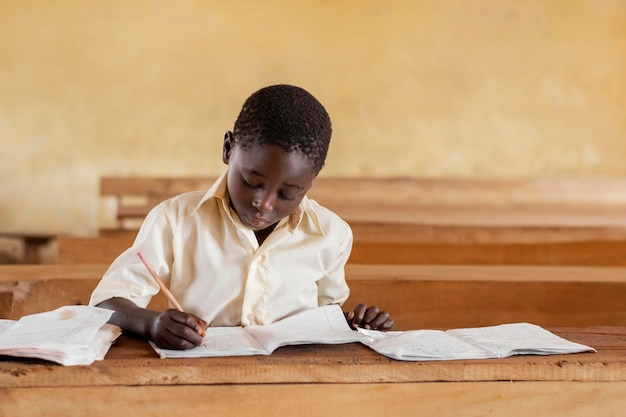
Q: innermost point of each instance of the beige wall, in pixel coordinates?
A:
(415, 88)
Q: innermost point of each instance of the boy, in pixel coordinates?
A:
(252, 249)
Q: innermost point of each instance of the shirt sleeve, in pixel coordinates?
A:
(128, 277)
(333, 289)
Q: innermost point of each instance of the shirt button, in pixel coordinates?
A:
(251, 318)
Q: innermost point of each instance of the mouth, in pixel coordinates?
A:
(257, 222)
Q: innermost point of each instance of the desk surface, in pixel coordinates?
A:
(310, 380)
(133, 362)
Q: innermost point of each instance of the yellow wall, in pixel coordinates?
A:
(414, 88)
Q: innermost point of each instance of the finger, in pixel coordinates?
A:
(202, 325)
(370, 316)
(359, 314)
(189, 320)
(387, 325)
(184, 327)
(171, 340)
(379, 320)
(187, 335)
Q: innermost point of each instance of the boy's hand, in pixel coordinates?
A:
(368, 318)
(175, 329)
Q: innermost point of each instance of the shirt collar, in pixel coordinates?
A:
(303, 215)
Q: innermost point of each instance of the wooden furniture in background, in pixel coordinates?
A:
(543, 203)
(421, 221)
(32, 242)
(417, 296)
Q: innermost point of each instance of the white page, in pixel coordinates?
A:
(517, 339)
(96, 350)
(325, 324)
(320, 325)
(69, 335)
(422, 345)
(5, 325)
(219, 341)
(63, 327)
(471, 343)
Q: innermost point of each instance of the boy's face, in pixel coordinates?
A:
(265, 183)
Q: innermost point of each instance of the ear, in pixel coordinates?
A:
(227, 147)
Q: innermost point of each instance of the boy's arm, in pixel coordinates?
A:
(171, 329)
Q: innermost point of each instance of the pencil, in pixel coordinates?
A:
(165, 290)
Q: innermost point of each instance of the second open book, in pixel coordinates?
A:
(327, 325)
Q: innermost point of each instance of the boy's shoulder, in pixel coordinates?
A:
(328, 219)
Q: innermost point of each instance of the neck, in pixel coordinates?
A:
(261, 235)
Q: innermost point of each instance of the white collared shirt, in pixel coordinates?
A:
(216, 269)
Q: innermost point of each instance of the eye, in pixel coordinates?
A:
(248, 183)
(286, 196)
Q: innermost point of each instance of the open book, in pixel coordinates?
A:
(69, 335)
(472, 343)
(325, 324)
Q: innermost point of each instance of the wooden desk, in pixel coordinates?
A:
(390, 243)
(551, 221)
(427, 201)
(318, 380)
(418, 296)
(33, 243)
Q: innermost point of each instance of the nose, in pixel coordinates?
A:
(263, 202)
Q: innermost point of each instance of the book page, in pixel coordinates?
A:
(219, 341)
(518, 339)
(422, 345)
(60, 328)
(69, 335)
(5, 325)
(325, 324)
(320, 325)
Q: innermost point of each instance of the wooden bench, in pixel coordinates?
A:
(420, 221)
(32, 242)
(407, 248)
(568, 203)
(418, 296)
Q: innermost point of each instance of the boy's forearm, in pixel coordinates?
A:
(130, 317)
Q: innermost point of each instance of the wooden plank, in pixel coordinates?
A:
(418, 296)
(31, 297)
(451, 304)
(33, 243)
(436, 296)
(584, 253)
(413, 303)
(32, 272)
(133, 362)
(132, 379)
(393, 244)
(161, 186)
(566, 202)
(35, 296)
(101, 250)
(386, 231)
(37, 288)
(6, 300)
(569, 399)
(557, 221)
(425, 191)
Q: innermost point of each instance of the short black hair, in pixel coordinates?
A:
(285, 116)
